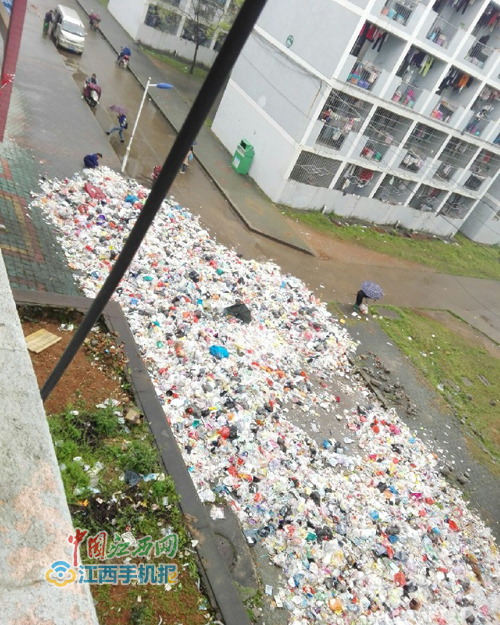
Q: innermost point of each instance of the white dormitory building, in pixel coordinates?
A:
(167, 25)
(383, 110)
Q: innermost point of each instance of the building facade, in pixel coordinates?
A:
(171, 25)
(384, 110)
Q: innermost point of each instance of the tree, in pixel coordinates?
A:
(207, 19)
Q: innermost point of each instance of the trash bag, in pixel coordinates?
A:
(240, 311)
(219, 352)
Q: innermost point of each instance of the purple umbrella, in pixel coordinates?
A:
(372, 290)
(118, 108)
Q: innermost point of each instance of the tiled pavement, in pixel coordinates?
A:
(49, 131)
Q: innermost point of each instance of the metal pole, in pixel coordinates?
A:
(127, 152)
(214, 82)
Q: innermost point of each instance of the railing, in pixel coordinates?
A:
(455, 210)
(364, 75)
(445, 172)
(407, 94)
(474, 182)
(412, 162)
(478, 54)
(336, 129)
(443, 110)
(399, 10)
(441, 33)
(374, 150)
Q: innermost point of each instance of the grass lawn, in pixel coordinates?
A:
(443, 356)
(460, 257)
(177, 64)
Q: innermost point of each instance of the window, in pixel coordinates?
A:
(314, 170)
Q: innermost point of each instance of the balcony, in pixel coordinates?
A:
(478, 54)
(399, 10)
(427, 199)
(443, 110)
(364, 75)
(357, 180)
(341, 115)
(407, 95)
(394, 190)
(474, 182)
(445, 172)
(384, 130)
(442, 33)
(457, 206)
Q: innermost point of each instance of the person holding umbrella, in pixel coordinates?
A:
(121, 112)
(369, 290)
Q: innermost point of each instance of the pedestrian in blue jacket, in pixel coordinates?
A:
(122, 125)
(91, 161)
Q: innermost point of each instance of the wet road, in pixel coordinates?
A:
(153, 139)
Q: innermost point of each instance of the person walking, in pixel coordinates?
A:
(189, 157)
(47, 21)
(91, 161)
(122, 125)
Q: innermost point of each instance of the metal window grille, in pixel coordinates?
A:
(441, 32)
(393, 189)
(445, 172)
(314, 170)
(457, 152)
(424, 140)
(455, 207)
(399, 10)
(478, 54)
(406, 94)
(486, 163)
(354, 178)
(341, 115)
(162, 19)
(474, 182)
(364, 75)
(426, 199)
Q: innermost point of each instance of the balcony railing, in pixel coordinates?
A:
(407, 94)
(478, 54)
(445, 172)
(454, 209)
(399, 10)
(474, 182)
(364, 75)
(412, 161)
(441, 32)
(443, 111)
(374, 150)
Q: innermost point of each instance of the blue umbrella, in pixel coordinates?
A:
(372, 290)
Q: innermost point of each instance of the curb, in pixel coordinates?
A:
(217, 581)
(232, 205)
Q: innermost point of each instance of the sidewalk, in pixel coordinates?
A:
(47, 120)
(246, 199)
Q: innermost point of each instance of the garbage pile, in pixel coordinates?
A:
(375, 535)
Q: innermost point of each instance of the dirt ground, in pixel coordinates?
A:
(86, 379)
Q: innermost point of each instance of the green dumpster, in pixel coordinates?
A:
(243, 157)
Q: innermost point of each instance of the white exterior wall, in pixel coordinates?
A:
(239, 118)
(306, 197)
(483, 225)
(155, 38)
(130, 14)
(277, 93)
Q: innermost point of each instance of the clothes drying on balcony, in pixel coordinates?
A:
(416, 59)
(363, 75)
(458, 5)
(372, 33)
(412, 161)
(489, 19)
(455, 79)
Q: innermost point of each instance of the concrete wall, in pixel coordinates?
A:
(481, 225)
(321, 29)
(280, 88)
(240, 118)
(34, 517)
(129, 14)
(170, 43)
(308, 197)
